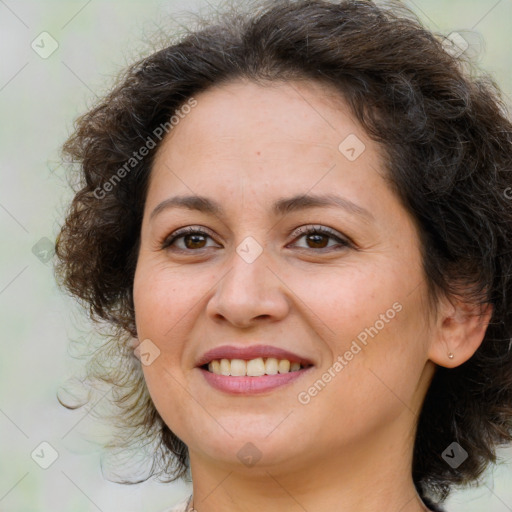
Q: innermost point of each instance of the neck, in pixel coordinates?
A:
(357, 479)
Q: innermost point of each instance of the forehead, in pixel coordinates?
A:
(289, 126)
(295, 107)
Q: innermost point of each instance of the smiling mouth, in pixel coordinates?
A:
(253, 367)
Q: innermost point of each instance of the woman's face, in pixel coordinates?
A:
(247, 281)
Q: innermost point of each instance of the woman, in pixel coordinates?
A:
(297, 222)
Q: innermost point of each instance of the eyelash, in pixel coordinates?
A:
(298, 233)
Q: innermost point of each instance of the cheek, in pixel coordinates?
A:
(372, 379)
(161, 306)
(375, 320)
(347, 302)
(161, 298)
(388, 370)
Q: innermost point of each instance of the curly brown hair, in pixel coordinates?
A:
(448, 142)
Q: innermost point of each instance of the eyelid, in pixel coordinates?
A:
(168, 239)
(311, 228)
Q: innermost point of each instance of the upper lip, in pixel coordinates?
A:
(252, 352)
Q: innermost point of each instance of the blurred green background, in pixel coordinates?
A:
(56, 56)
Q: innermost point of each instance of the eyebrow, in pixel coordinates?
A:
(280, 208)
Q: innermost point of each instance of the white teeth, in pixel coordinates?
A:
(271, 366)
(238, 367)
(214, 366)
(284, 366)
(256, 367)
(225, 367)
(253, 368)
(294, 367)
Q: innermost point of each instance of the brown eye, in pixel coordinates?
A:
(318, 240)
(194, 241)
(317, 237)
(188, 239)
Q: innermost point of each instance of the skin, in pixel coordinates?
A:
(245, 146)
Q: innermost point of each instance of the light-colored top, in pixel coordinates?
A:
(182, 506)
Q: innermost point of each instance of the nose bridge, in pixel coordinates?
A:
(247, 280)
(249, 290)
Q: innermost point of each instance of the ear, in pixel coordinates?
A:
(459, 330)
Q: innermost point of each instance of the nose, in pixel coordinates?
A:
(249, 292)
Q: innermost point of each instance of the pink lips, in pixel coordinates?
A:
(250, 385)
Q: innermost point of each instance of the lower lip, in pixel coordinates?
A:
(251, 385)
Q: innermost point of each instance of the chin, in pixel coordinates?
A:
(245, 443)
